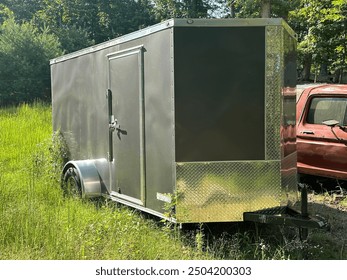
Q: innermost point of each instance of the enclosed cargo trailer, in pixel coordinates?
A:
(196, 114)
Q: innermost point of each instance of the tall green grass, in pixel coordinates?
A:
(38, 222)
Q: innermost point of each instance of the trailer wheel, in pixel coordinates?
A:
(71, 182)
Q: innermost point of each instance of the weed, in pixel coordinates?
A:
(199, 239)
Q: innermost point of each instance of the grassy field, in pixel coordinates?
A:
(38, 222)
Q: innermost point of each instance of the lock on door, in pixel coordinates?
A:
(114, 125)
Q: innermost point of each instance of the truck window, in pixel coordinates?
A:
(327, 108)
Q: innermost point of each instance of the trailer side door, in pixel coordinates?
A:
(125, 82)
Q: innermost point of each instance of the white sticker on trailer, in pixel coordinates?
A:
(164, 197)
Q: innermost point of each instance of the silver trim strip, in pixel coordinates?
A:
(141, 208)
(123, 197)
(126, 52)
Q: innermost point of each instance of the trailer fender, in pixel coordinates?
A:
(86, 177)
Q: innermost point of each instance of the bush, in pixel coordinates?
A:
(24, 62)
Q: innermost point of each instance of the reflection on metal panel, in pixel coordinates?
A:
(159, 117)
(273, 82)
(288, 179)
(223, 191)
(78, 108)
(288, 126)
(280, 112)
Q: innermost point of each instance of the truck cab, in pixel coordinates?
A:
(322, 131)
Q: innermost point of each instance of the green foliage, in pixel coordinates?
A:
(322, 27)
(100, 20)
(73, 38)
(166, 9)
(5, 13)
(23, 9)
(251, 8)
(196, 8)
(117, 18)
(247, 8)
(24, 62)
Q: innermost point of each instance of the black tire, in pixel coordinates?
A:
(71, 183)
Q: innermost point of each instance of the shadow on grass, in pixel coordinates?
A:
(248, 240)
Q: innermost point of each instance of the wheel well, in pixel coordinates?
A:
(71, 181)
(89, 177)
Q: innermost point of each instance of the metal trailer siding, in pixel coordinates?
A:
(158, 116)
(74, 112)
(210, 185)
(79, 86)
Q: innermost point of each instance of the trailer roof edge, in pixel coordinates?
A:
(176, 23)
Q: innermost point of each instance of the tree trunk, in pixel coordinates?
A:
(194, 11)
(306, 72)
(337, 75)
(266, 8)
(323, 73)
(232, 9)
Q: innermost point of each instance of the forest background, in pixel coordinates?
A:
(34, 31)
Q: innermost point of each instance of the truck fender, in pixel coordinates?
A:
(89, 179)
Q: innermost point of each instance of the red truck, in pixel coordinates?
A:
(321, 117)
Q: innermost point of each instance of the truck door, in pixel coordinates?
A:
(322, 149)
(126, 121)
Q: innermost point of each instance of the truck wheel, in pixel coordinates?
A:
(71, 183)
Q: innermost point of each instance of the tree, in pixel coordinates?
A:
(321, 26)
(70, 21)
(166, 9)
(264, 8)
(23, 9)
(24, 62)
(196, 8)
(116, 18)
(100, 20)
(73, 38)
(338, 15)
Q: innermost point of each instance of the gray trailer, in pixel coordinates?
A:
(195, 114)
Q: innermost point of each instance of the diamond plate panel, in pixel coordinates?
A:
(289, 179)
(273, 90)
(289, 155)
(223, 191)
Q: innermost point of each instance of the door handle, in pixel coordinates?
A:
(310, 132)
